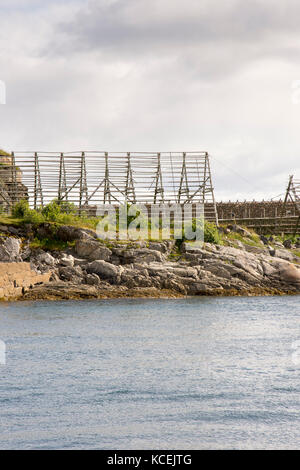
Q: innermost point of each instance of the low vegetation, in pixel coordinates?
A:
(50, 244)
(252, 240)
(59, 212)
(66, 213)
(212, 234)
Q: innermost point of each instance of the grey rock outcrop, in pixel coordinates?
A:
(92, 280)
(65, 233)
(244, 268)
(290, 274)
(10, 250)
(105, 270)
(68, 273)
(92, 250)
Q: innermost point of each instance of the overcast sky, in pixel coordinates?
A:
(159, 75)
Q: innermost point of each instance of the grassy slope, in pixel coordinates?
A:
(90, 223)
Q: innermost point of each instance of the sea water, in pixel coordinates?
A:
(196, 373)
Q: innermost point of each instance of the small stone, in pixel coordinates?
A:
(67, 260)
(46, 258)
(92, 279)
(271, 250)
(288, 244)
(264, 240)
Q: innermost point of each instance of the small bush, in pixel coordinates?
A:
(52, 211)
(67, 207)
(50, 244)
(33, 217)
(20, 209)
(60, 211)
(211, 233)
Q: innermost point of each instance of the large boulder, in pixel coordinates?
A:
(92, 250)
(42, 261)
(183, 271)
(174, 284)
(164, 246)
(45, 258)
(105, 270)
(72, 274)
(45, 230)
(268, 269)
(92, 280)
(241, 230)
(136, 278)
(290, 274)
(137, 255)
(65, 233)
(145, 255)
(10, 250)
(284, 254)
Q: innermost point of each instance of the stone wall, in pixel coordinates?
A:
(17, 278)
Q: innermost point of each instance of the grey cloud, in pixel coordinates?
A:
(212, 39)
(139, 23)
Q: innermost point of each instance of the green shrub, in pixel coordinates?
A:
(50, 244)
(211, 233)
(60, 211)
(20, 209)
(52, 211)
(33, 217)
(67, 207)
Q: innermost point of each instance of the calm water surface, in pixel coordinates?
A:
(203, 373)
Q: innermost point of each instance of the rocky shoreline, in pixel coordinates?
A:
(93, 268)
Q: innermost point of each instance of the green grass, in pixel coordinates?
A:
(82, 222)
(50, 244)
(237, 236)
(10, 220)
(65, 213)
(252, 240)
(62, 214)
